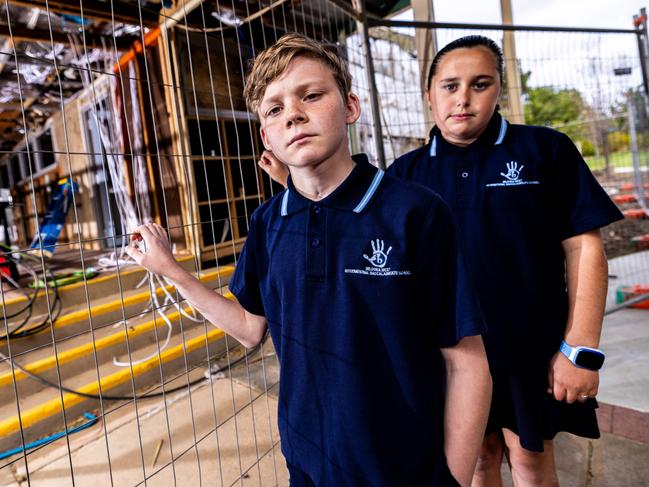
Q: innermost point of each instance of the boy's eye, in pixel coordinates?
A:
(312, 96)
(273, 111)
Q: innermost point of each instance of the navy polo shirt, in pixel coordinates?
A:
(360, 291)
(517, 192)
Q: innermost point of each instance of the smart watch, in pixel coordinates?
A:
(583, 357)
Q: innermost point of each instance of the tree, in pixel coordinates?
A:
(551, 107)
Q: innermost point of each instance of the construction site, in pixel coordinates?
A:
(117, 113)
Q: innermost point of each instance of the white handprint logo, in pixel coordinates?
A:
(513, 171)
(379, 257)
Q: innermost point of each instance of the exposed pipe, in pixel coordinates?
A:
(152, 36)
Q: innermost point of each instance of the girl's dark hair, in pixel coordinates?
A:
(467, 42)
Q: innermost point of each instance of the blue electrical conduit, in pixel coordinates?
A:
(92, 419)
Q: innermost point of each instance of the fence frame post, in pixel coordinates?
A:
(363, 30)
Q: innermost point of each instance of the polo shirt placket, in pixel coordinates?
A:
(316, 248)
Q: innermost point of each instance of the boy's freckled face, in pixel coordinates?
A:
(464, 93)
(303, 115)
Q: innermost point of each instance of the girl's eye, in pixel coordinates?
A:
(480, 86)
(450, 87)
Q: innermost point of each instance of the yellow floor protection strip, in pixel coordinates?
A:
(55, 406)
(94, 280)
(39, 366)
(81, 315)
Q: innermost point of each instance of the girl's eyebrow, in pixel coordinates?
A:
(457, 78)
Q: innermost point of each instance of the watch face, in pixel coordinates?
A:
(589, 359)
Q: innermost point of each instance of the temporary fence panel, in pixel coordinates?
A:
(126, 113)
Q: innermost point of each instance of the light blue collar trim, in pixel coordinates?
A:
(499, 140)
(284, 210)
(433, 147)
(370, 191)
(503, 131)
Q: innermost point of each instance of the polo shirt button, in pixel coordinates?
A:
(465, 175)
(317, 209)
(315, 242)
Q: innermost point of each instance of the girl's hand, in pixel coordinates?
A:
(275, 168)
(569, 383)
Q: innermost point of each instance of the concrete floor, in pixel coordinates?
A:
(625, 339)
(610, 461)
(243, 450)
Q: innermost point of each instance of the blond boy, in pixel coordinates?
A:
(358, 276)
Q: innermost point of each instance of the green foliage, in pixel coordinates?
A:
(618, 141)
(616, 159)
(586, 147)
(548, 106)
(643, 140)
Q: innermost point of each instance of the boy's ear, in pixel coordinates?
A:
(264, 139)
(353, 108)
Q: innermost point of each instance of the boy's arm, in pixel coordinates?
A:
(275, 168)
(587, 279)
(468, 396)
(231, 317)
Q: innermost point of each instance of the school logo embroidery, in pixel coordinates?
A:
(378, 262)
(379, 258)
(513, 171)
(512, 176)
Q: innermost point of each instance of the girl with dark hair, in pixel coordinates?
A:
(530, 212)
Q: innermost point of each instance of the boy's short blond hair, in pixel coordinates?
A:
(273, 61)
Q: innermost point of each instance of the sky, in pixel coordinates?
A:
(570, 13)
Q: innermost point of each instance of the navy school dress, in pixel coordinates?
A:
(360, 290)
(517, 192)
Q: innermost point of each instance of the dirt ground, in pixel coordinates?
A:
(617, 236)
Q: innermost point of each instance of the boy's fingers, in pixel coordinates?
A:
(164, 235)
(145, 232)
(149, 232)
(138, 229)
(158, 230)
(134, 253)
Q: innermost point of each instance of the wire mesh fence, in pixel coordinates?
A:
(116, 114)
(127, 114)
